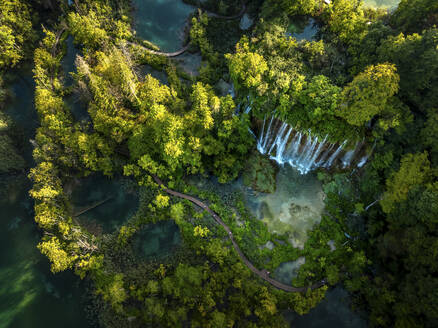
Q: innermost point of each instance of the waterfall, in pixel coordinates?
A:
(362, 161)
(303, 151)
(349, 155)
(334, 155)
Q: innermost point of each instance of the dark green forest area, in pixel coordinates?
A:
(368, 77)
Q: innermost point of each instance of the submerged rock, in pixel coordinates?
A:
(245, 22)
(260, 174)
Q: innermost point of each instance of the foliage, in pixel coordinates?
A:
(414, 170)
(415, 15)
(369, 95)
(16, 32)
(58, 257)
(418, 78)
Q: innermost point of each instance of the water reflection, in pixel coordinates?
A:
(30, 295)
(333, 312)
(120, 202)
(162, 22)
(157, 240)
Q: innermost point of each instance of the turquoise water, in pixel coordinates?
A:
(30, 295)
(383, 4)
(105, 218)
(162, 22)
(305, 32)
(294, 208)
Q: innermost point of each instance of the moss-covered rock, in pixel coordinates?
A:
(260, 173)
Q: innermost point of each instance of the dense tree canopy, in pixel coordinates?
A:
(16, 32)
(367, 76)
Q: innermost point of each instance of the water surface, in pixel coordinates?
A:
(333, 312)
(162, 22)
(295, 206)
(121, 204)
(30, 295)
(293, 209)
(157, 240)
(382, 4)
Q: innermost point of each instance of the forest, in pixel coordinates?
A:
(355, 106)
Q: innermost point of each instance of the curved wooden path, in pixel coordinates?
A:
(160, 53)
(184, 49)
(261, 273)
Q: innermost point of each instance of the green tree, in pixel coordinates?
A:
(246, 67)
(58, 257)
(369, 94)
(415, 15)
(414, 170)
(16, 32)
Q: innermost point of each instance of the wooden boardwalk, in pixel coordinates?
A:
(184, 49)
(261, 273)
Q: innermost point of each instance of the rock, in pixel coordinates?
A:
(245, 22)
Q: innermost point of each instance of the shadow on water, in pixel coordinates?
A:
(30, 295)
(333, 312)
(157, 240)
(106, 218)
(76, 106)
(162, 22)
(159, 75)
(20, 107)
(68, 62)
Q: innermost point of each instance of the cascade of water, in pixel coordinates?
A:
(362, 161)
(349, 155)
(305, 152)
(325, 155)
(247, 109)
(280, 144)
(260, 140)
(310, 150)
(316, 154)
(264, 142)
(293, 148)
(335, 155)
(278, 137)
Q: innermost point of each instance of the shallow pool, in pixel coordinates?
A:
(162, 22)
